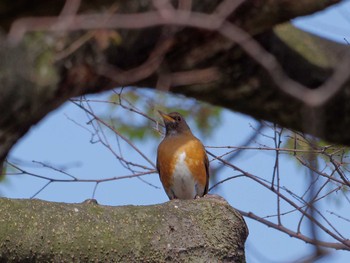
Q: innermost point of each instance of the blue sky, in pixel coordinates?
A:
(61, 142)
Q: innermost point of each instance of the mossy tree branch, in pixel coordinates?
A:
(203, 230)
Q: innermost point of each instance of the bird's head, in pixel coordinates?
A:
(174, 123)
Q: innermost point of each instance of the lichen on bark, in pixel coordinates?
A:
(204, 230)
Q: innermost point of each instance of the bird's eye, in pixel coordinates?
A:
(178, 118)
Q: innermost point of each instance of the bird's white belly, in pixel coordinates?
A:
(184, 186)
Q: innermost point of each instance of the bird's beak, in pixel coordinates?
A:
(166, 117)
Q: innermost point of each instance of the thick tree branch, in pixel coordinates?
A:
(204, 230)
(165, 57)
(256, 16)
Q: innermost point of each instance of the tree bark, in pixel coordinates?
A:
(202, 230)
(36, 78)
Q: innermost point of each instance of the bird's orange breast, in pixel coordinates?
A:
(169, 152)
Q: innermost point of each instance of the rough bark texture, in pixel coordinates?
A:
(203, 230)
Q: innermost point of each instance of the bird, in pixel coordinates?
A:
(182, 162)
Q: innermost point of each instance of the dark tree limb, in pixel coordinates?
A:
(195, 62)
(203, 230)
